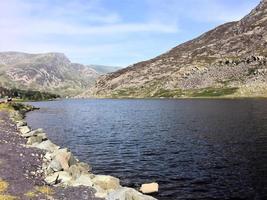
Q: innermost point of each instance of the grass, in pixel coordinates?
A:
(169, 93)
(45, 190)
(3, 188)
(175, 93)
(6, 107)
(7, 197)
(213, 92)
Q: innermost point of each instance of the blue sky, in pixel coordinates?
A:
(110, 32)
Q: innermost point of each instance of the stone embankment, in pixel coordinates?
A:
(61, 169)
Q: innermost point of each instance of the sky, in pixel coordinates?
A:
(111, 32)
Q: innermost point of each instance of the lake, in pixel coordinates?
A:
(194, 149)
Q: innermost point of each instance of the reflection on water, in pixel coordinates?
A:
(195, 149)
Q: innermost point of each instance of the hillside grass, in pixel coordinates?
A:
(176, 93)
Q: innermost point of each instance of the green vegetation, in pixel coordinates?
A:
(6, 106)
(176, 93)
(27, 95)
(13, 106)
(213, 92)
(169, 93)
(3, 188)
(45, 190)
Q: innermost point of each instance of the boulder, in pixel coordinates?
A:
(82, 180)
(106, 182)
(21, 123)
(149, 188)
(43, 135)
(72, 160)
(100, 193)
(78, 169)
(64, 158)
(48, 156)
(125, 193)
(34, 140)
(47, 145)
(58, 177)
(24, 129)
(55, 165)
(32, 133)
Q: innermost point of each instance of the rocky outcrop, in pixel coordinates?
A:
(61, 168)
(229, 60)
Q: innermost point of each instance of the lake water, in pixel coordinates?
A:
(195, 149)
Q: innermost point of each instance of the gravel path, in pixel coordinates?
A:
(20, 170)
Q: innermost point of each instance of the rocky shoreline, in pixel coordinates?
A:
(58, 167)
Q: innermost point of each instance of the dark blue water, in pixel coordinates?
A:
(195, 149)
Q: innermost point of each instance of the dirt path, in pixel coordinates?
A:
(20, 170)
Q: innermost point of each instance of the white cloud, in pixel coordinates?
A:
(199, 10)
(61, 25)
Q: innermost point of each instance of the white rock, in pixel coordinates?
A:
(48, 146)
(125, 193)
(55, 165)
(62, 177)
(100, 193)
(83, 180)
(34, 140)
(21, 123)
(33, 133)
(149, 188)
(106, 182)
(48, 156)
(24, 129)
(78, 169)
(62, 158)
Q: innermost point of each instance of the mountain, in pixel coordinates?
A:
(230, 60)
(101, 69)
(49, 72)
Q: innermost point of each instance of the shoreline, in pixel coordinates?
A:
(61, 168)
(168, 98)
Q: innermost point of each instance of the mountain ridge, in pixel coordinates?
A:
(231, 57)
(50, 72)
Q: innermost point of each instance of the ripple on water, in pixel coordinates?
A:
(195, 149)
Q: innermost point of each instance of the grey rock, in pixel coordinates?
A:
(34, 140)
(47, 145)
(24, 129)
(61, 177)
(32, 133)
(82, 180)
(78, 169)
(106, 182)
(55, 165)
(125, 193)
(21, 123)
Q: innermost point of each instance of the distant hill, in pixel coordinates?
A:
(101, 69)
(49, 72)
(230, 60)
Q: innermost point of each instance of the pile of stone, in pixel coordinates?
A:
(61, 168)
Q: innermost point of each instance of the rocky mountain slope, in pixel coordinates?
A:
(230, 60)
(50, 72)
(102, 69)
